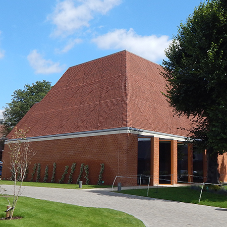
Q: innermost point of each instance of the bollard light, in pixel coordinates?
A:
(119, 187)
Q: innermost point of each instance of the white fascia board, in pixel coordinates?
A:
(128, 130)
(163, 135)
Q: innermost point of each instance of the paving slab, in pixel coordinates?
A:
(153, 212)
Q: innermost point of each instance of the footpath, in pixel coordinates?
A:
(153, 212)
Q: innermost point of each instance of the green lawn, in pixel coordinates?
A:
(46, 213)
(53, 185)
(182, 194)
(36, 212)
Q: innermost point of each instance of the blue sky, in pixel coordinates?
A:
(40, 39)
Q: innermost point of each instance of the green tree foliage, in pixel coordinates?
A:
(196, 72)
(23, 100)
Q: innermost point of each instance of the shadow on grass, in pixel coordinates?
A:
(221, 209)
(176, 194)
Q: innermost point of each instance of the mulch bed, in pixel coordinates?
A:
(13, 218)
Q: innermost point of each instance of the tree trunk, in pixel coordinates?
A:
(8, 212)
(212, 170)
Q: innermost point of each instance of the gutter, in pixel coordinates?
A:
(128, 130)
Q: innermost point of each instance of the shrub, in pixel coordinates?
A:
(73, 167)
(26, 173)
(53, 173)
(45, 174)
(213, 187)
(63, 175)
(86, 169)
(33, 171)
(101, 174)
(80, 174)
(38, 172)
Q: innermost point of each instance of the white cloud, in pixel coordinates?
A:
(69, 17)
(149, 47)
(41, 65)
(1, 114)
(70, 45)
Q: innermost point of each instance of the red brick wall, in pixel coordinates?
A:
(118, 152)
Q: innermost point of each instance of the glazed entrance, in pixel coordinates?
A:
(171, 164)
(164, 162)
(144, 160)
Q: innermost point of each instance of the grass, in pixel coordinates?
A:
(182, 194)
(53, 185)
(36, 212)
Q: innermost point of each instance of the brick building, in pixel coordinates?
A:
(110, 110)
(2, 138)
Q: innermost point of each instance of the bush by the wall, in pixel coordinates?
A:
(73, 167)
(86, 169)
(80, 174)
(101, 174)
(38, 172)
(53, 173)
(26, 173)
(33, 171)
(45, 175)
(63, 175)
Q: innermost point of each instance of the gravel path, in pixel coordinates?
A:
(153, 212)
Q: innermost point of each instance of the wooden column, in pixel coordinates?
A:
(173, 161)
(155, 160)
(190, 163)
(205, 166)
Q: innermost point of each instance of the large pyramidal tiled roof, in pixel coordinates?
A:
(119, 90)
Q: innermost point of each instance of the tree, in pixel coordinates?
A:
(22, 101)
(20, 155)
(196, 74)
